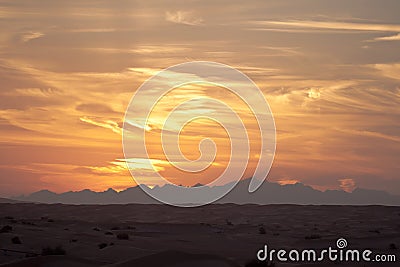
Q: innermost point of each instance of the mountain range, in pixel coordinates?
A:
(268, 193)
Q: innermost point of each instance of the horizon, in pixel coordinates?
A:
(165, 185)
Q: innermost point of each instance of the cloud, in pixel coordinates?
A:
(143, 165)
(288, 181)
(388, 38)
(115, 167)
(370, 134)
(314, 93)
(93, 30)
(108, 124)
(330, 25)
(389, 70)
(347, 184)
(36, 92)
(143, 126)
(183, 17)
(6, 127)
(161, 49)
(28, 36)
(112, 59)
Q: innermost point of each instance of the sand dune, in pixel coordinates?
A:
(7, 200)
(158, 235)
(52, 261)
(164, 259)
(177, 259)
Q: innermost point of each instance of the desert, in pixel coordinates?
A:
(161, 235)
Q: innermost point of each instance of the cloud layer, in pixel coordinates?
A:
(330, 71)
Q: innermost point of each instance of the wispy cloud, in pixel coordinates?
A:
(28, 36)
(391, 70)
(143, 49)
(114, 167)
(330, 25)
(183, 17)
(388, 38)
(93, 30)
(108, 124)
(370, 134)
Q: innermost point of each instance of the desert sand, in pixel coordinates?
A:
(159, 235)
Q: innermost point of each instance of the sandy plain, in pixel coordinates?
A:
(213, 235)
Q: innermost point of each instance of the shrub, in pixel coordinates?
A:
(313, 236)
(123, 236)
(261, 230)
(376, 231)
(30, 255)
(6, 229)
(16, 240)
(58, 250)
(28, 223)
(102, 245)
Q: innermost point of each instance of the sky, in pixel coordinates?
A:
(330, 71)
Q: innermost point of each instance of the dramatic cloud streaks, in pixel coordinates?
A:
(332, 25)
(330, 72)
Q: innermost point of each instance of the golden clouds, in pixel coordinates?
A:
(28, 36)
(389, 70)
(68, 70)
(370, 134)
(332, 25)
(288, 181)
(347, 184)
(388, 38)
(183, 17)
(314, 93)
(112, 125)
(192, 132)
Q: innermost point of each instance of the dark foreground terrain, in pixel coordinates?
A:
(158, 235)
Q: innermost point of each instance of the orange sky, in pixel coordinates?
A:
(329, 70)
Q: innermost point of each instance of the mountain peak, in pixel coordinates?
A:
(268, 193)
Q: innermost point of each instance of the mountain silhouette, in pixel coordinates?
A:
(268, 193)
